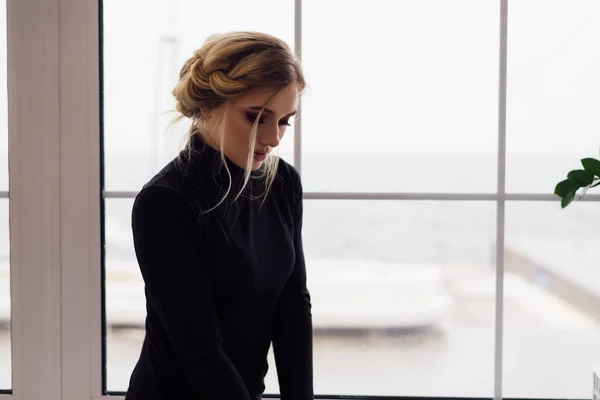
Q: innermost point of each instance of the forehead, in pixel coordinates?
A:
(282, 101)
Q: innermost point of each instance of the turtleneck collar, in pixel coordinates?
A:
(207, 163)
(199, 145)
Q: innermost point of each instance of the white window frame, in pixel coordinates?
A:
(54, 182)
(55, 198)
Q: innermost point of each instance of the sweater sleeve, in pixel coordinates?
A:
(167, 243)
(292, 339)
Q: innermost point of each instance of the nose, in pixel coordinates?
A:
(271, 138)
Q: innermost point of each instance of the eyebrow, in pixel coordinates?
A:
(270, 112)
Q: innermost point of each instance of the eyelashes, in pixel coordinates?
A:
(251, 117)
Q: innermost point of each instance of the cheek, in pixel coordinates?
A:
(238, 134)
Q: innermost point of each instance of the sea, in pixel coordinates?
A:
(441, 231)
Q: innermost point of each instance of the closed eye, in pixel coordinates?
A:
(251, 117)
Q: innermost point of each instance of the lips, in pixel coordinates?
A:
(260, 155)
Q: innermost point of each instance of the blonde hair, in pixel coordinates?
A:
(229, 65)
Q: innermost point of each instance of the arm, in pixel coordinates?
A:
(292, 339)
(167, 241)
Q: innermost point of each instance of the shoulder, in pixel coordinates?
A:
(289, 179)
(167, 190)
(180, 178)
(158, 201)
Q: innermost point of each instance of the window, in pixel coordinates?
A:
(553, 91)
(393, 301)
(435, 62)
(399, 153)
(550, 274)
(550, 258)
(5, 339)
(162, 41)
(413, 89)
(399, 156)
(134, 133)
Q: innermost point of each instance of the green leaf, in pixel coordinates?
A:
(565, 201)
(581, 177)
(591, 165)
(565, 188)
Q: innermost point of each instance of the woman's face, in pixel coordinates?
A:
(241, 113)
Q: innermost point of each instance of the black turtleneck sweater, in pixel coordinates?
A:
(221, 286)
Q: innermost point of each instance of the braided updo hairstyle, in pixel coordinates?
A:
(228, 65)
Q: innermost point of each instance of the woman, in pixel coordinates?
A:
(217, 235)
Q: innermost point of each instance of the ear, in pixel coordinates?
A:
(206, 113)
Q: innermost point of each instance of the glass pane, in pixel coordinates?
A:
(403, 296)
(3, 102)
(5, 340)
(410, 94)
(553, 91)
(552, 274)
(124, 296)
(136, 141)
(424, 275)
